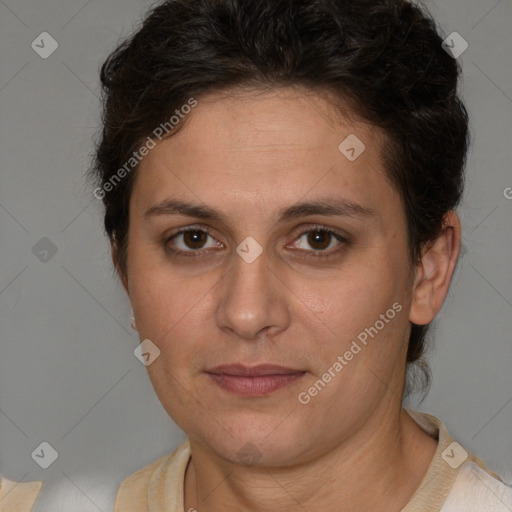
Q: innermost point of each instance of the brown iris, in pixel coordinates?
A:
(195, 239)
(321, 237)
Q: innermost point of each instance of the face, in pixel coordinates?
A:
(295, 255)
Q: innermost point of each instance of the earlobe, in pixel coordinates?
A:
(434, 272)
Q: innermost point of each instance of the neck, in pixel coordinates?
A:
(379, 468)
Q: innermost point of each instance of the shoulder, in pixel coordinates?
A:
(456, 480)
(475, 490)
(155, 483)
(18, 496)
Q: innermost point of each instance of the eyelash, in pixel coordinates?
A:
(312, 254)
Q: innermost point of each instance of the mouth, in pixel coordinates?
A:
(253, 381)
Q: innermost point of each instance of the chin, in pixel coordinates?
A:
(256, 443)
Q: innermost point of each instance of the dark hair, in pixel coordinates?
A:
(381, 57)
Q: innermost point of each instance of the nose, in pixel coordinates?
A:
(253, 302)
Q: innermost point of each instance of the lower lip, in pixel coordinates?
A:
(254, 386)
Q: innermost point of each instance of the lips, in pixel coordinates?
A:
(254, 381)
(253, 371)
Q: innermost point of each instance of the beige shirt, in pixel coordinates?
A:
(456, 481)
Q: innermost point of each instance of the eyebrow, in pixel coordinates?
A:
(325, 206)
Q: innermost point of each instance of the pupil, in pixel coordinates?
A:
(319, 236)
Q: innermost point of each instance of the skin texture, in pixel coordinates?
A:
(249, 155)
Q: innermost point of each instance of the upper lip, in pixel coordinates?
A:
(252, 371)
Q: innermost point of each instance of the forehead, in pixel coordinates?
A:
(264, 147)
(287, 119)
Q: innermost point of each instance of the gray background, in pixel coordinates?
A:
(68, 375)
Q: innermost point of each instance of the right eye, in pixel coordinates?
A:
(190, 241)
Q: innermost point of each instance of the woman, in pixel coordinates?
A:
(280, 182)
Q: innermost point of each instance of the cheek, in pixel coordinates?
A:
(173, 310)
(365, 312)
(361, 292)
(159, 293)
(167, 312)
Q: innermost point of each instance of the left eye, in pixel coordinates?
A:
(319, 239)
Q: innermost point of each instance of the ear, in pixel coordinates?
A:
(115, 260)
(434, 272)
